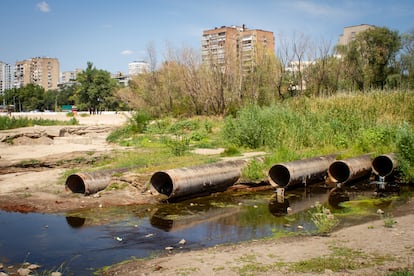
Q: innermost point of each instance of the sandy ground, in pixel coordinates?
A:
(371, 240)
(42, 189)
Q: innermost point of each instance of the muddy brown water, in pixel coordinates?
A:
(79, 243)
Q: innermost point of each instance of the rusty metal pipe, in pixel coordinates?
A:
(198, 180)
(384, 165)
(305, 171)
(343, 171)
(91, 182)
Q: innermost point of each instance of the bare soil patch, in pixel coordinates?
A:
(382, 250)
(33, 161)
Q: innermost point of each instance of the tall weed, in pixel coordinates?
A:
(7, 122)
(139, 121)
(405, 151)
(350, 124)
(360, 122)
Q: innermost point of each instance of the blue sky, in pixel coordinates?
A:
(113, 33)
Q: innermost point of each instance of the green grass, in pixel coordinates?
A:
(7, 122)
(300, 127)
(351, 124)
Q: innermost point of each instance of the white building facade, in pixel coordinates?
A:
(137, 67)
(6, 77)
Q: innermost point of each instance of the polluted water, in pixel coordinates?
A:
(79, 243)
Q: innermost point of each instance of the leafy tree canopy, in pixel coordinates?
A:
(96, 88)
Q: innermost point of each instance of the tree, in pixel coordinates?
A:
(370, 56)
(284, 57)
(66, 95)
(96, 89)
(407, 58)
(299, 45)
(323, 74)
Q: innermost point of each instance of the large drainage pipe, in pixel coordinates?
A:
(384, 165)
(200, 180)
(343, 171)
(91, 182)
(305, 171)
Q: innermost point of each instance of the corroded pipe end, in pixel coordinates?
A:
(75, 183)
(340, 171)
(280, 175)
(162, 182)
(383, 165)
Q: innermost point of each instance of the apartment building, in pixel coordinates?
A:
(6, 77)
(42, 71)
(349, 33)
(137, 67)
(70, 76)
(236, 43)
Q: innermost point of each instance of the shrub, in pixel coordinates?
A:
(254, 171)
(405, 152)
(253, 127)
(139, 121)
(178, 145)
(7, 122)
(322, 218)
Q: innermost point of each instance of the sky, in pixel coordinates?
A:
(113, 33)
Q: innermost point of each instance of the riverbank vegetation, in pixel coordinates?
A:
(377, 122)
(7, 122)
(306, 99)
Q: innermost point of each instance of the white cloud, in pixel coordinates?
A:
(43, 6)
(127, 52)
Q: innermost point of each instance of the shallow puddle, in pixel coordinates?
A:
(78, 243)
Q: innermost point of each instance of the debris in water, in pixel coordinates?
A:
(182, 242)
(169, 248)
(118, 239)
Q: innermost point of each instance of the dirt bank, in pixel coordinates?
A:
(33, 161)
(366, 249)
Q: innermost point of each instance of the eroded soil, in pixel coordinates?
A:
(34, 160)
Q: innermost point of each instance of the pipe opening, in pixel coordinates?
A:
(383, 165)
(339, 171)
(280, 175)
(75, 183)
(162, 182)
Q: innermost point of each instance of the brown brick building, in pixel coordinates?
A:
(228, 44)
(349, 33)
(42, 71)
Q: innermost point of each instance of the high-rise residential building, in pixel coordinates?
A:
(349, 33)
(6, 77)
(70, 76)
(137, 67)
(42, 71)
(236, 43)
